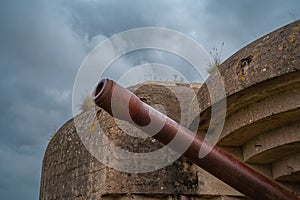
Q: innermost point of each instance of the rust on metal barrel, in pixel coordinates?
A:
(217, 162)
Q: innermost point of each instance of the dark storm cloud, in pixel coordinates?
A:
(211, 23)
(237, 23)
(42, 44)
(112, 16)
(39, 56)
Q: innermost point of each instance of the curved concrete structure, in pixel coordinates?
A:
(262, 83)
(70, 172)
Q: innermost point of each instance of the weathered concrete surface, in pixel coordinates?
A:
(273, 145)
(71, 172)
(269, 65)
(262, 116)
(262, 83)
(287, 169)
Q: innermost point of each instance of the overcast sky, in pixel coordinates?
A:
(43, 43)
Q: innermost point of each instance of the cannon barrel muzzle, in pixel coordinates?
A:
(122, 104)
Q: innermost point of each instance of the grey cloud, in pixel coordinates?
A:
(237, 23)
(211, 23)
(39, 55)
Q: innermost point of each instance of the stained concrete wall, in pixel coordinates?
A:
(71, 172)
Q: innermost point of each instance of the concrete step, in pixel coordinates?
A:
(274, 145)
(287, 169)
(252, 120)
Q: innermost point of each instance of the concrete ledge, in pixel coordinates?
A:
(287, 169)
(273, 145)
(259, 117)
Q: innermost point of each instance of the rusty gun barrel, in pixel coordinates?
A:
(121, 103)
